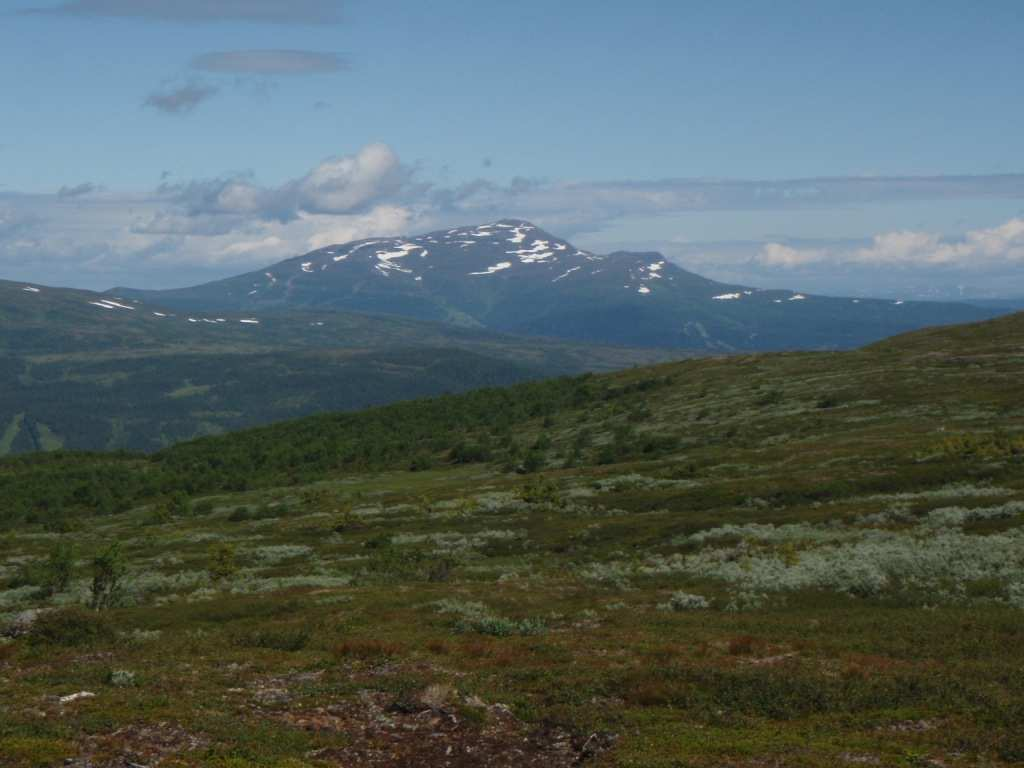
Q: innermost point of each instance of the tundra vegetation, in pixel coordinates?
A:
(800, 559)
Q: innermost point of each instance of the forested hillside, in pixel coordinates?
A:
(84, 372)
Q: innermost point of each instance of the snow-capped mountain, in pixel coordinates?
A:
(514, 277)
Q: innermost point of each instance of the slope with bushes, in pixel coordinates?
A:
(797, 559)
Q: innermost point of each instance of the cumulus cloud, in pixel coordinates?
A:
(270, 62)
(976, 249)
(336, 186)
(209, 228)
(204, 11)
(180, 100)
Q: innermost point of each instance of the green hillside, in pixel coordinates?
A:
(80, 375)
(799, 559)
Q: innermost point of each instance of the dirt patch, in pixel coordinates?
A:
(416, 735)
(137, 745)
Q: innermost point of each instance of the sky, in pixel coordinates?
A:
(861, 148)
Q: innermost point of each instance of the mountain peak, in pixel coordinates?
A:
(514, 277)
(515, 223)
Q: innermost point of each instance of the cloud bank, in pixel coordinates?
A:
(204, 11)
(975, 249)
(270, 63)
(180, 233)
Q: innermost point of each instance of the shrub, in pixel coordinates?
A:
(204, 508)
(121, 678)
(533, 462)
(240, 515)
(71, 627)
(278, 639)
(367, 650)
(470, 453)
(223, 563)
(684, 601)
(827, 401)
(541, 491)
(421, 462)
(279, 553)
(59, 568)
(108, 573)
(477, 618)
(180, 505)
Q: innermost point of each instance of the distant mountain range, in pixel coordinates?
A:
(375, 321)
(513, 277)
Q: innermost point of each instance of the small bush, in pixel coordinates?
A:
(71, 627)
(239, 515)
(367, 650)
(684, 601)
(223, 562)
(289, 639)
(421, 462)
(121, 678)
(204, 508)
(827, 401)
(477, 618)
(59, 569)
(108, 573)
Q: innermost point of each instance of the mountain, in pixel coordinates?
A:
(86, 371)
(513, 277)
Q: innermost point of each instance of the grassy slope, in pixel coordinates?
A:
(328, 647)
(89, 378)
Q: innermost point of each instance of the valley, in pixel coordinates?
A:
(80, 371)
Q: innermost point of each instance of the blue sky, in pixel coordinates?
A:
(559, 111)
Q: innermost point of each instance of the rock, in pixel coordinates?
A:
(22, 623)
(76, 697)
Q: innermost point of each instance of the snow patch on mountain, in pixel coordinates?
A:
(566, 274)
(496, 268)
(107, 304)
(386, 258)
(541, 251)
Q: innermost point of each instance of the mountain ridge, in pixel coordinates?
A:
(513, 277)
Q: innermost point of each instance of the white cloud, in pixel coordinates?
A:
(976, 249)
(346, 183)
(778, 255)
(336, 186)
(382, 221)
